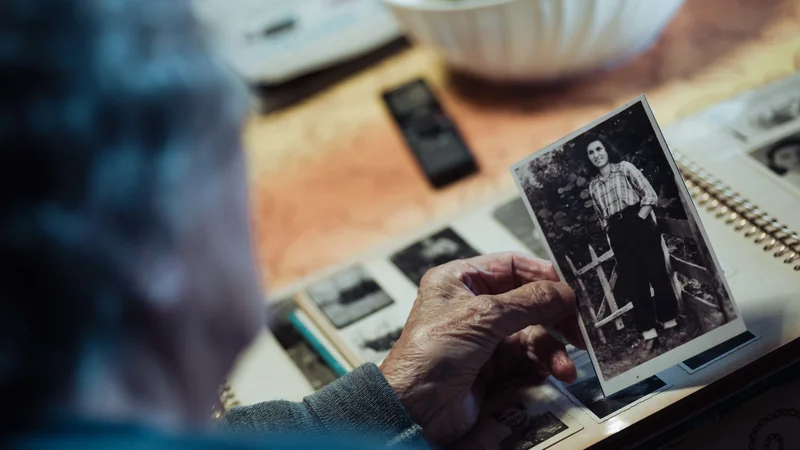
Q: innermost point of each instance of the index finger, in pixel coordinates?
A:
(539, 303)
(497, 273)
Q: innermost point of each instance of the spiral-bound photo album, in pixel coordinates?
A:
(738, 160)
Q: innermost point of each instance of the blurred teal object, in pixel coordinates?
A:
(316, 345)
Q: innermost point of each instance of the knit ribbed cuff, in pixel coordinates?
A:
(363, 403)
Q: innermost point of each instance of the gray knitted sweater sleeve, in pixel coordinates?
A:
(359, 404)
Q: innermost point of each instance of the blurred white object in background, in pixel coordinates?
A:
(273, 41)
(534, 40)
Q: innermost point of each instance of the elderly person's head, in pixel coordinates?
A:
(128, 282)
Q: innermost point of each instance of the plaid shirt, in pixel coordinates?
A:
(624, 187)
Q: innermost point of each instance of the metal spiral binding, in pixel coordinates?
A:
(739, 212)
(227, 400)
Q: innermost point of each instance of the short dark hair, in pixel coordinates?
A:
(792, 141)
(587, 138)
(101, 101)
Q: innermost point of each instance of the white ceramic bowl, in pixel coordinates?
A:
(534, 40)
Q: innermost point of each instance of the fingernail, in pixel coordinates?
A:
(567, 370)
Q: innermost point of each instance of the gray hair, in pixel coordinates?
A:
(106, 106)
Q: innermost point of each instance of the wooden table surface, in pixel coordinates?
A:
(330, 175)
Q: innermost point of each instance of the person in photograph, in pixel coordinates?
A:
(784, 160)
(526, 431)
(623, 200)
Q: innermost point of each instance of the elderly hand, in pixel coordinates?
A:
(475, 321)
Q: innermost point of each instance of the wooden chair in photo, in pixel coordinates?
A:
(675, 266)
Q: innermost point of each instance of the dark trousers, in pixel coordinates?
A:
(640, 265)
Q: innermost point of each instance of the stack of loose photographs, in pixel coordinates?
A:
(609, 207)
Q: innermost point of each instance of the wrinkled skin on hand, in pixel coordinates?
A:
(476, 321)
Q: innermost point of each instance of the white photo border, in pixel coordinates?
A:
(547, 398)
(679, 354)
(563, 388)
(691, 371)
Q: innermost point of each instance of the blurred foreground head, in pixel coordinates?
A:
(127, 282)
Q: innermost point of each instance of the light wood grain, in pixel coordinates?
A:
(330, 177)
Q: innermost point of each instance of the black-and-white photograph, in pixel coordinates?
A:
(782, 158)
(779, 113)
(527, 430)
(372, 339)
(717, 352)
(520, 413)
(589, 394)
(623, 232)
(768, 111)
(586, 391)
(349, 296)
(383, 342)
(434, 250)
(515, 218)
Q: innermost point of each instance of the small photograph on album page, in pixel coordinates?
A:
(372, 339)
(349, 296)
(622, 230)
(782, 158)
(718, 352)
(585, 391)
(522, 418)
(434, 250)
(761, 114)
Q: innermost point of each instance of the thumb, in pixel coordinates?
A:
(537, 303)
